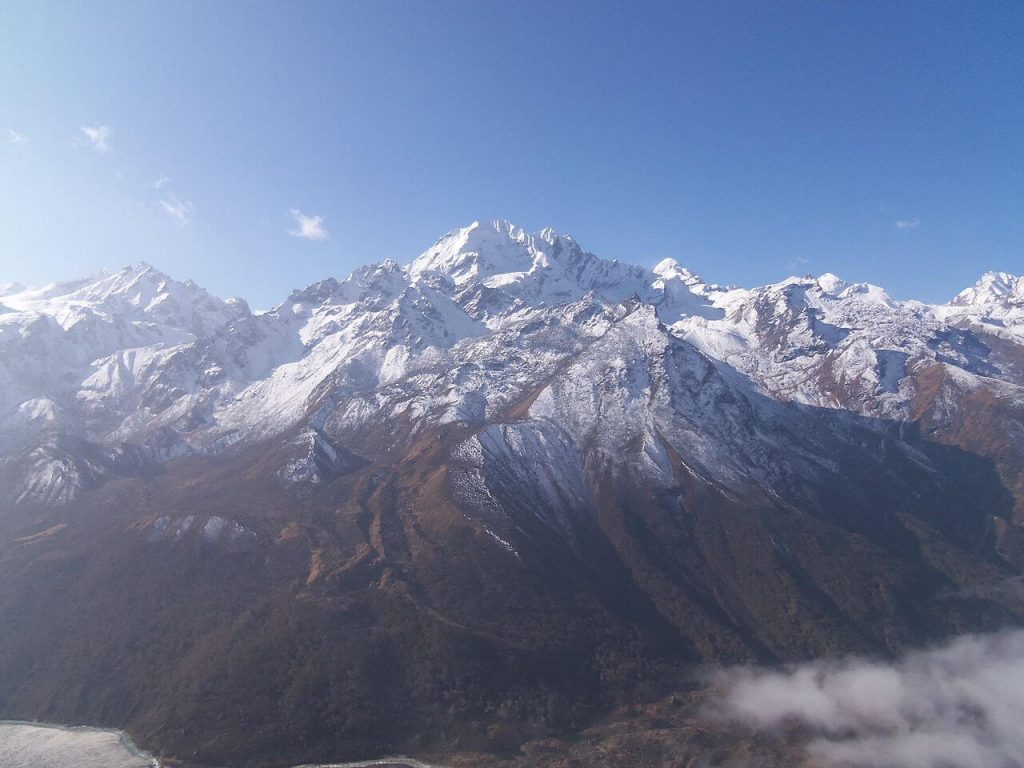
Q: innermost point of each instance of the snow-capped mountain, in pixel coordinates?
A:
(995, 305)
(994, 288)
(509, 475)
(136, 358)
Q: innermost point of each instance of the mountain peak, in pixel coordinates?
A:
(481, 250)
(832, 283)
(669, 268)
(8, 288)
(548, 235)
(139, 268)
(138, 291)
(992, 288)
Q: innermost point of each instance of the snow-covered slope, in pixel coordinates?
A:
(488, 316)
(69, 357)
(995, 304)
(59, 341)
(138, 295)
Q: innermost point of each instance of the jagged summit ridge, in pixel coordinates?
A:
(138, 292)
(501, 255)
(992, 288)
(131, 355)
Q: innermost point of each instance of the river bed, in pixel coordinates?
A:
(35, 745)
(41, 745)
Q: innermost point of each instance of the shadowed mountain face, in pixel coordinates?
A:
(485, 497)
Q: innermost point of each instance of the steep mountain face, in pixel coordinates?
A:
(485, 496)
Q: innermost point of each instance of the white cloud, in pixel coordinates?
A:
(98, 136)
(908, 223)
(179, 210)
(958, 705)
(16, 137)
(309, 227)
(160, 183)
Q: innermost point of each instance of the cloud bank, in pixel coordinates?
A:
(908, 223)
(958, 706)
(308, 227)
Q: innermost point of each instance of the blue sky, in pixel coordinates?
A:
(880, 141)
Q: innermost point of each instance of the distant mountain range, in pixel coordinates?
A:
(486, 496)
